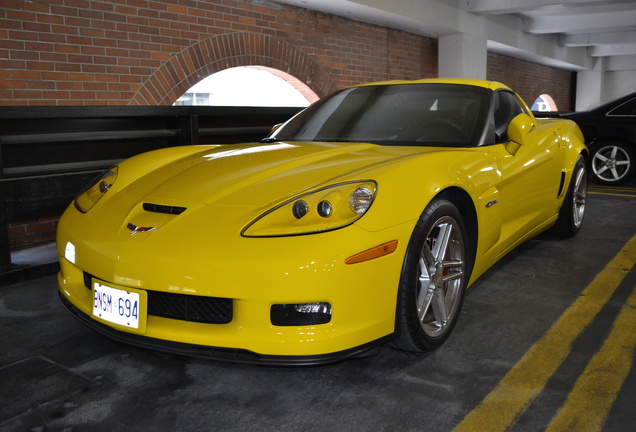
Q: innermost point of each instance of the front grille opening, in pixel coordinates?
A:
(158, 208)
(210, 310)
(184, 307)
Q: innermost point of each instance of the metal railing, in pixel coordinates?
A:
(47, 154)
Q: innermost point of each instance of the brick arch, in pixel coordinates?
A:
(217, 53)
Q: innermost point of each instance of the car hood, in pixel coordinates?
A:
(224, 188)
(260, 174)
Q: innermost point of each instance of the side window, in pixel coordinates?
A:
(626, 109)
(506, 108)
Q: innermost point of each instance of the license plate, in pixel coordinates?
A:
(119, 306)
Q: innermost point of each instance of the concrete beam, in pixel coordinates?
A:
(493, 7)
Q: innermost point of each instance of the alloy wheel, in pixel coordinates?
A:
(611, 163)
(579, 196)
(441, 274)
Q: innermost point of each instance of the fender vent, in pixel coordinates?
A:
(562, 184)
(158, 208)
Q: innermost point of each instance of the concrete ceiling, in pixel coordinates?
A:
(572, 34)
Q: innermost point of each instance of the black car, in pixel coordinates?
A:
(610, 134)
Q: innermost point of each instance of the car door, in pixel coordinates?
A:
(531, 173)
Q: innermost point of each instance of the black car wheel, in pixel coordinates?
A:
(612, 163)
(434, 278)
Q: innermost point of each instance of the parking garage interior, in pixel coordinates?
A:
(546, 338)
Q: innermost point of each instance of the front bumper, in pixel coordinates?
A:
(363, 295)
(232, 355)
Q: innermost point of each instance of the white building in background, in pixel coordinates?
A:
(243, 86)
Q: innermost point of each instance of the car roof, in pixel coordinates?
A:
(608, 106)
(492, 85)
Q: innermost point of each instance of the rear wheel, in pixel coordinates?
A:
(573, 209)
(434, 279)
(613, 163)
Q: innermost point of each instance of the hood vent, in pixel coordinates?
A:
(158, 208)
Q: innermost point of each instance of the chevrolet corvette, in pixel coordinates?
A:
(360, 221)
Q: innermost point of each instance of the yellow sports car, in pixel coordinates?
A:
(361, 220)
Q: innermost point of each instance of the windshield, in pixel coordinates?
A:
(400, 114)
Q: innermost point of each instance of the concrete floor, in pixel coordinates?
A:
(57, 375)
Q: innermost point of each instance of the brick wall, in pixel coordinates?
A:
(531, 80)
(149, 52)
(120, 52)
(32, 232)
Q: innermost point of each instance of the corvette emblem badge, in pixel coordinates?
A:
(134, 229)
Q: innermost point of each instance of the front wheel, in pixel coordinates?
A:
(613, 163)
(434, 278)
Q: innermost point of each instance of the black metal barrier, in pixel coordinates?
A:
(48, 154)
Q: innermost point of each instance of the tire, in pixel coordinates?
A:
(613, 163)
(572, 211)
(433, 280)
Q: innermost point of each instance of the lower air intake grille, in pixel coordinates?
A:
(210, 310)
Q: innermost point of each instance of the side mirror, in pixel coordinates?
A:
(520, 127)
(276, 126)
(518, 130)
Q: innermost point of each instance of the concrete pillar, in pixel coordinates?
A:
(589, 86)
(462, 55)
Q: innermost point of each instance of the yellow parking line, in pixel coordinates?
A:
(596, 389)
(514, 393)
(625, 191)
(611, 194)
(614, 188)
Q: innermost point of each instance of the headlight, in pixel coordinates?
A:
(325, 209)
(92, 193)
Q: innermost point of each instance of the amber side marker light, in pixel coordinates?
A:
(373, 253)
